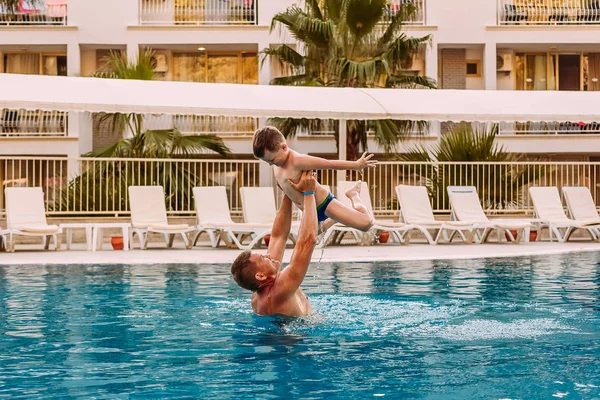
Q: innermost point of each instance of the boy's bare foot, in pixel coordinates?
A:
(354, 190)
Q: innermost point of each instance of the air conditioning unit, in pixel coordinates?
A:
(504, 62)
(416, 64)
(162, 64)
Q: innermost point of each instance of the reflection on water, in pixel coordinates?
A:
(492, 328)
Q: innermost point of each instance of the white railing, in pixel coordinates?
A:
(419, 16)
(548, 128)
(96, 186)
(198, 12)
(548, 12)
(326, 127)
(203, 124)
(40, 12)
(25, 123)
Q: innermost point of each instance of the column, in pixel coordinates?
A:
(133, 51)
(431, 61)
(489, 66)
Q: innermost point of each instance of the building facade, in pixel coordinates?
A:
(479, 45)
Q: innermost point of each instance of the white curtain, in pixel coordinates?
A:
(539, 78)
(189, 67)
(23, 64)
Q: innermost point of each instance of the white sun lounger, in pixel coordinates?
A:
(26, 216)
(149, 214)
(212, 211)
(415, 208)
(258, 207)
(399, 231)
(466, 207)
(581, 206)
(549, 209)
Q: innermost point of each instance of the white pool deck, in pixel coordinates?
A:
(30, 254)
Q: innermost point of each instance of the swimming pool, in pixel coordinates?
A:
(493, 328)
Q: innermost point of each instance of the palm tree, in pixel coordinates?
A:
(498, 186)
(349, 43)
(102, 185)
(165, 143)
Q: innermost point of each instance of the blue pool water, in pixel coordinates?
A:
(517, 328)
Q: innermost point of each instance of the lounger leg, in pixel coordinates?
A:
(69, 234)
(144, 242)
(56, 242)
(46, 242)
(185, 240)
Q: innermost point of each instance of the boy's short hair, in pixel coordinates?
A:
(243, 272)
(266, 138)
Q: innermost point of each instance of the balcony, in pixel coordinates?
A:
(38, 123)
(203, 124)
(417, 19)
(198, 12)
(47, 12)
(548, 12)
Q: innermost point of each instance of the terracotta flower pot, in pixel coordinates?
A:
(532, 236)
(117, 242)
(384, 237)
(267, 239)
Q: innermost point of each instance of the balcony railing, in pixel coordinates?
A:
(548, 128)
(548, 12)
(326, 127)
(419, 16)
(26, 123)
(198, 12)
(42, 12)
(98, 186)
(203, 124)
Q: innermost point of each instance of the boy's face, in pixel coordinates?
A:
(277, 157)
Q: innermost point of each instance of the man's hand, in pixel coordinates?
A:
(365, 162)
(307, 182)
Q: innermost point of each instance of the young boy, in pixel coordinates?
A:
(270, 146)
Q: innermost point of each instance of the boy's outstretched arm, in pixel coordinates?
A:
(306, 162)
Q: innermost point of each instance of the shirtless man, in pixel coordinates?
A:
(275, 291)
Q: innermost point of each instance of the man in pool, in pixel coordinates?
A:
(276, 291)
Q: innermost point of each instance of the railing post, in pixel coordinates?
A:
(343, 133)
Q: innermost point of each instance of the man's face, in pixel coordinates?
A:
(277, 157)
(266, 268)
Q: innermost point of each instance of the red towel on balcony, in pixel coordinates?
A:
(57, 8)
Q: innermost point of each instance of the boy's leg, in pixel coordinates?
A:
(356, 217)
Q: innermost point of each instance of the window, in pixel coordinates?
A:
(473, 68)
(216, 67)
(35, 64)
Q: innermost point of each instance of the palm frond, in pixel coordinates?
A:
(185, 145)
(362, 16)
(297, 80)
(410, 82)
(401, 49)
(285, 55)
(305, 28)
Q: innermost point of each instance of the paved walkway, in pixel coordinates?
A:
(208, 255)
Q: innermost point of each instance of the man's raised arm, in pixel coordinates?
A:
(281, 229)
(291, 277)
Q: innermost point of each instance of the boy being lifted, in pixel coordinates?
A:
(270, 145)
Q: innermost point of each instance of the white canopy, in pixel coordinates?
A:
(158, 97)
